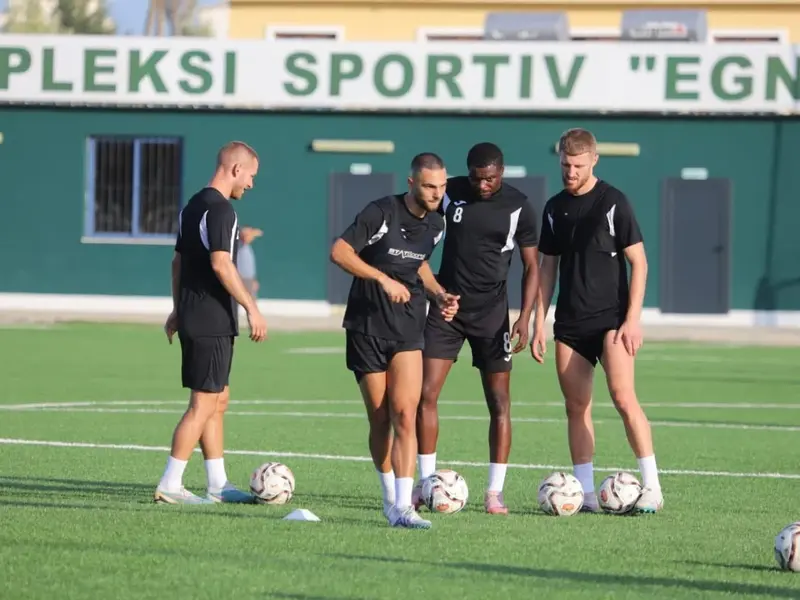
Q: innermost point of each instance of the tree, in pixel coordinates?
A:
(88, 17)
(29, 16)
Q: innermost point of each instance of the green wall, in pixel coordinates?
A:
(42, 167)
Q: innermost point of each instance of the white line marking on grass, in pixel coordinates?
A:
(287, 402)
(359, 415)
(345, 458)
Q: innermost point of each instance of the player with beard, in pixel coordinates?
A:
(386, 249)
(589, 234)
(486, 218)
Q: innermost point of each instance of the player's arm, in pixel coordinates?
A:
(629, 238)
(355, 238)
(432, 286)
(176, 280)
(221, 228)
(346, 248)
(548, 269)
(171, 326)
(527, 237)
(637, 258)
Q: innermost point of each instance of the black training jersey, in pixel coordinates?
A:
(208, 223)
(480, 240)
(388, 237)
(589, 233)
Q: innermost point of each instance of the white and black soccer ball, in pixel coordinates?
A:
(445, 491)
(619, 493)
(787, 547)
(272, 483)
(560, 495)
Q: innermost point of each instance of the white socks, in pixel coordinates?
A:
(387, 486)
(497, 476)
(585, 475)
(172, 479)
(647, 467)
(404, 487)
(215, 471)
(426, 463)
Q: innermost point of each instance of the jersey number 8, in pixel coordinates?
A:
(457, 214)
(507, 343)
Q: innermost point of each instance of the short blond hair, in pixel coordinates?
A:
(234, 152)
(577, 141)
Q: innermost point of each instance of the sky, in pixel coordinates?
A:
(129, 14)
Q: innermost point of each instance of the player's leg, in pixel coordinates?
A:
(373, 391)
(367, 358)
(212, 438)
(575, 363)
(619, 368)
(196, 358)
(404, 387)
(443, 342)
(492, 356)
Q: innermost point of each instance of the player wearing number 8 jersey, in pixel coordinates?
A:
(486, 218)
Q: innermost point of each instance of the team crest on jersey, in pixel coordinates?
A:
(406, 254)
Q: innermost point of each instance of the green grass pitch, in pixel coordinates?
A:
(78, 519)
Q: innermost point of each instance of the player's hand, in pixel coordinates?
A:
(258, 326)
(520, 331)
(396, 291)
(539, 344)
(171, 326)
(630, 335)
(448, 304)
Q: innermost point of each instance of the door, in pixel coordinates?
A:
(347, 195)
(535, 188)
(695, 246)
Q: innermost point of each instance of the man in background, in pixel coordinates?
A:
(247, 258)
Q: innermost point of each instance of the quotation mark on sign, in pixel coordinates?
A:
(649, 63)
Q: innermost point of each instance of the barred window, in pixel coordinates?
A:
(134, 186)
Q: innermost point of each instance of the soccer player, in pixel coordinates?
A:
(485, 218)
(589, 231)
(206, 288)
(386, 249)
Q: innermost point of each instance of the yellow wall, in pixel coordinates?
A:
(399, 21)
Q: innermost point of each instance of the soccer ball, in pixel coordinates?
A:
(560, 495)
(445, 491)
(272, 483)
(787, 547)
(619, 493)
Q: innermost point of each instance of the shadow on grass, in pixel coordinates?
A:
(736, 566)
(744, 589)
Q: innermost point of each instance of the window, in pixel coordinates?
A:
(133, 189)
(749, 36)
(595, 34)
(449, 34)
(305, 32)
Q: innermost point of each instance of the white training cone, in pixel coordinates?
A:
(301, 514)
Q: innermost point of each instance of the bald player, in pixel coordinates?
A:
(206, 288)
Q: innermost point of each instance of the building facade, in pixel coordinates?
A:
(104, 140)
(437, 20)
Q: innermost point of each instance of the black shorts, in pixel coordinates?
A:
(589, 346)
(206, 362)
(370, 354)
(487, 330)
